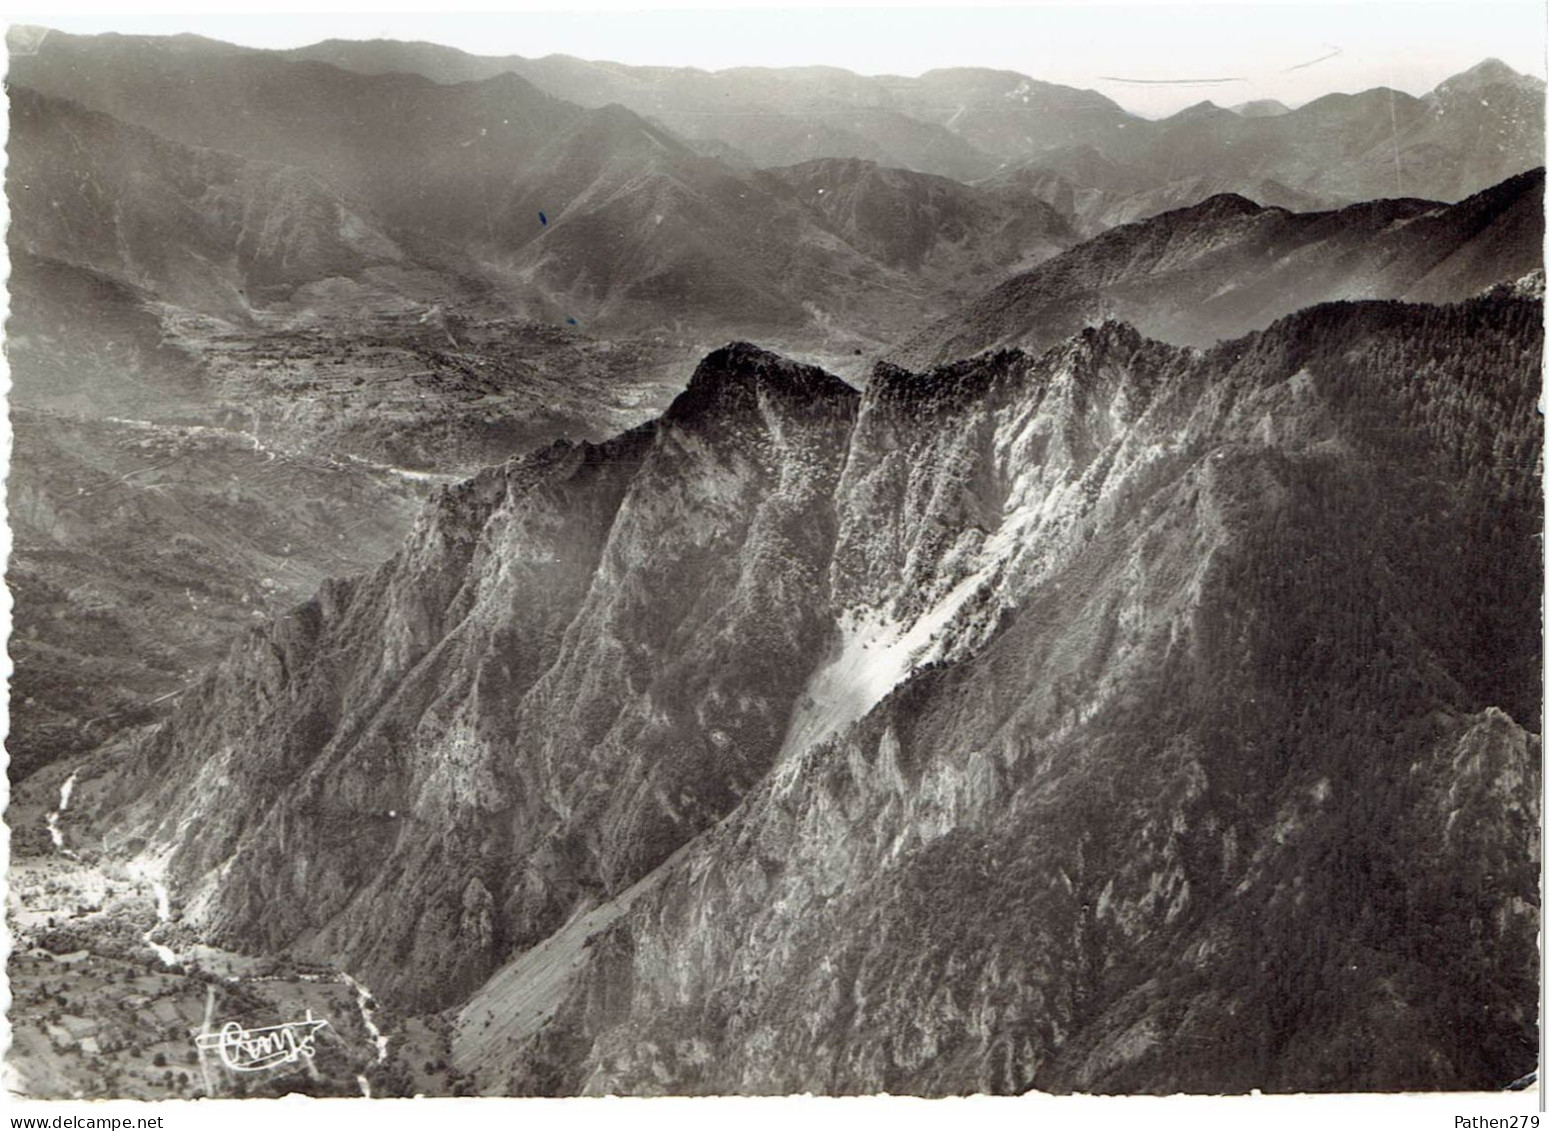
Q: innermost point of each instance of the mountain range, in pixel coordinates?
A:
(591, 214)
(1473, 130)
(769, 580)
(1220, 268)
(542, 178)
(895, 719)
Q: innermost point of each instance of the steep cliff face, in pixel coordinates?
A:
(529, 706)
(1107, 719)
(1220, 803)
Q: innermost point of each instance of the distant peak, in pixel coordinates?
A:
(994, 74)
(614, 119)
(1490, 72)
(1261, 108)
(613, 125)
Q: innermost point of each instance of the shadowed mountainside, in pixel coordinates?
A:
(1227, 266)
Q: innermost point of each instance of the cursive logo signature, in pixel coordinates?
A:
(253, 1050)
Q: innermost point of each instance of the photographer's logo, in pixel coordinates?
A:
(254, 1050)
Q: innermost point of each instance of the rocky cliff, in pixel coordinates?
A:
(1197, 782)
(1121, 717)
(577, 661)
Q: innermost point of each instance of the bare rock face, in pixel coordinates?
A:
(1204, 767)
(1110, 719)
(478, 923)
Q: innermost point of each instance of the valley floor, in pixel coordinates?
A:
(109, 993)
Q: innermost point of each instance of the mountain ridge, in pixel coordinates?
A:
(1012, 118)
(943, 570)
(1280, 261)
(496, 189)
(461, 551)
(879, 802)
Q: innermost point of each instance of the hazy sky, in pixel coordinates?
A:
(1293, 52)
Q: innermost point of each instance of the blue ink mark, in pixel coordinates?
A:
(542, 219)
